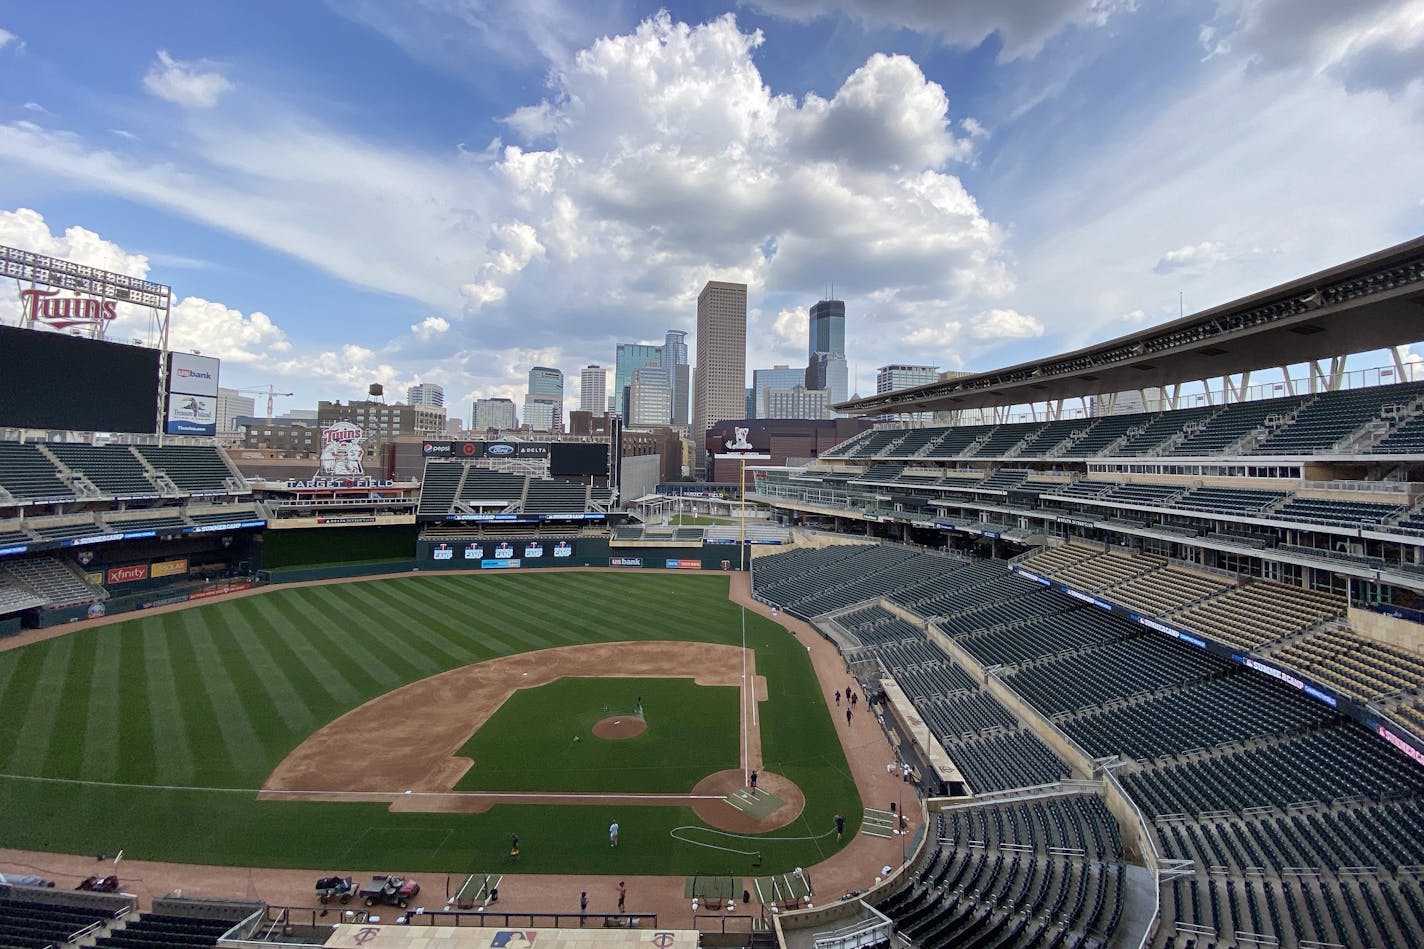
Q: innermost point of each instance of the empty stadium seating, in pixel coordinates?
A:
(1044, 872)
(30, 924)
(113, 469)
(1213, 712)
(1341, 761)
(1231, 424)
(1353, 664)
(54, 580)
(193, 469)
(1161, 428)
(166, 931)
(27, 475)
(1331, 416)
(1254, 614)
(1103, 434)
(1408, 438)
(1111, 670)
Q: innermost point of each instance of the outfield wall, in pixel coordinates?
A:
(322, 546)
(506, 553)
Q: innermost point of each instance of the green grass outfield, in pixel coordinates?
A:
(527, 745)
(152, 735)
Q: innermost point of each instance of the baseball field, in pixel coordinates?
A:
(154, 735)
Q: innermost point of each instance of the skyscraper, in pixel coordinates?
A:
(679, 373)
(765, 380)
(231, 404)
(425, 393)
(630, 357)
(649, 397)
(720, 379)
(897, 377)
(593, 389)
(486, 414)
(827, 328)
(544, 404)
(826, 354)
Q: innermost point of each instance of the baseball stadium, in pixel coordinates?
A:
(1115, 649)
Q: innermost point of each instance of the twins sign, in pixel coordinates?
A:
(49, 308)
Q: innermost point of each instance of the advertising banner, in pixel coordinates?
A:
(684, 565)
(192, 415)
(443, 552)
(503, 550)
(563, 549)
(138, 571)
(533, 550)
(498, 564)
(474, 552)
(169, 568)
(193, 375)
(625, 561)
(435, 449)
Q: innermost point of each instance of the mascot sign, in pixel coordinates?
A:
(341, 450)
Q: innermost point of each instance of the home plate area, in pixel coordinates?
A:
(756, 803)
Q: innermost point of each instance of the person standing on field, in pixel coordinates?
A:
(613, 834)
(622, 895)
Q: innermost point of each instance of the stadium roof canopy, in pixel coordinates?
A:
(1371, 303)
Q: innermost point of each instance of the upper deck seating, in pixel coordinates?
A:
(194, 469)
(1233, 423)
(29, 476)
(113, 469)
(1104, 432)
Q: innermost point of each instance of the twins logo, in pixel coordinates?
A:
(341, 451)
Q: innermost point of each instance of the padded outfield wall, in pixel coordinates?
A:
(321, 546)
(502, 553)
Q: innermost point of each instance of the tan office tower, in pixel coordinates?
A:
(720, 379)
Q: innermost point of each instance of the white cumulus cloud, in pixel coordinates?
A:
(998, 324)
(430, 328)
(192, 84)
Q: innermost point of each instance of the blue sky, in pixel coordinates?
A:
(455, 190)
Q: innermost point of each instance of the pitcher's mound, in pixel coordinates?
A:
(615, 727)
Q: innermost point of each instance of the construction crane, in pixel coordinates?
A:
(272, 393)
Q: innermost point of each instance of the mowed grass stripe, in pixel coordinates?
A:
(198, 695)
(312, 667)
(361, 639)
(402, 637)
(37, 726)
(332, 639)
(174, 761)
(275, 673)
(18, 669)
(64, 758)
(136, 761)
(502, 621)
(274, 709)
(101, 731)
(576, 616)
(434, 628)
(478, 627)
(243, 715)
